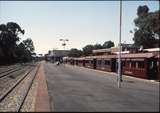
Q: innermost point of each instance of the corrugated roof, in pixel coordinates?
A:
(80, 58)
(106, 56)
(153, 49)
(138, 55)
(132, 55)
(102, 50)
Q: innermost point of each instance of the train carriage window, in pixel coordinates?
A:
(107, 62)
(151, 65)
(123, 63)
(158, 63)
(87, 61)
(136, 64)
(103, 62)
(140, 64)
(129, 64)
(99, 62)
(133, 64)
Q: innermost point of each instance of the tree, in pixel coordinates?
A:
(8, 40)
(88, 49)
(142, 10)
(108, 44)
(20, 52)
(10, 50)
(97, 46)
(25, 50)
(28, 43)
(75, 53)
(147, 31)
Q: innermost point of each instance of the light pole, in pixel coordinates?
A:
(64, 42)
(119, 55)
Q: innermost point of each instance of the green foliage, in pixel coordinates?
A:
(8, 40)
(142, 10)
(28, 43)
(75, 53)
(147, 33)
(97, 46)
(25, 50)
(10, 51)
(88, 49)
(108, 44)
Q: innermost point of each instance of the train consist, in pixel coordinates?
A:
(141, 65)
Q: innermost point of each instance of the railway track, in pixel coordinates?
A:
(30, 76)
(9, 78)
(27, 91)
(8, 68)
(4, 69)
(7, 72)
(12, 69)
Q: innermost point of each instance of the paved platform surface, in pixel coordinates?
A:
(42, 99)
(79, 89)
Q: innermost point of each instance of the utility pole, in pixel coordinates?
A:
(119, 55)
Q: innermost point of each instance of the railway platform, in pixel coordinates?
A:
(75, 89)
(46, 87)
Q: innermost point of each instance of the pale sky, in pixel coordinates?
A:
(82, 22)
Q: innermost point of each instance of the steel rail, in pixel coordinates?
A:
(10, 71)
(28, 89)
(11, 88)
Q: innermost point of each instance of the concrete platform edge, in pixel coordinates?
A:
(42, 99)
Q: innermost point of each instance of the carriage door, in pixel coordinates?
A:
(76, 62)
(94, 63)
(113, 64)
(152, 69)
(83, 63)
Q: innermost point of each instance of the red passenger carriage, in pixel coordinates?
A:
(142, 65)
(106, 63)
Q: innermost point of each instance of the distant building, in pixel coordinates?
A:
(126, 48)
(149, 50)
(101, 51)
(154, 50)
(57, 55)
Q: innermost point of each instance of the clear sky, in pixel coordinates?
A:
(82, 22)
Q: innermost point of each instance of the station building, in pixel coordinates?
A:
(56, 55)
